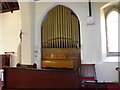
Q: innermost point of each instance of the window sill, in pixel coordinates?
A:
(111, 59)
(112, 54)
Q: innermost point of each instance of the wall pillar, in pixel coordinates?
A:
(27, 15)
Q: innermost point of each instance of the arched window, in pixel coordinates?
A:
(112, 33)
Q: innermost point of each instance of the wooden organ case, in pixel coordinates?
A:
(60, 58)
(60, 39)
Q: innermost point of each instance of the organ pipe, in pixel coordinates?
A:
(60, 29)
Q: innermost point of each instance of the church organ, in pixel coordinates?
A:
(60, 39)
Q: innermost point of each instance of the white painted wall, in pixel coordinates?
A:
(1, 20)
(10, 27)
(90, 36)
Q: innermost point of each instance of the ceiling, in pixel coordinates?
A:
(8, 6)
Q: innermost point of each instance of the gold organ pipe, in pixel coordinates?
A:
(63, 27)
(74, 31)
(71, 30)
(47, 33)
(52, 26)
(44, 33)
(48, 29)
(49, 44)
(60, 29)
(45, 30)
(55, 24)
(69, 14)
(77, 33)
(66, 27)
(46, 41)
(59, 25)
(55, 40)
(77, 36)
(43, 39)
(55, 28)
(70, 40)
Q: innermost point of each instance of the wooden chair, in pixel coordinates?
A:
(87, 73)
(26, 66)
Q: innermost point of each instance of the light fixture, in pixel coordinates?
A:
(90, 19)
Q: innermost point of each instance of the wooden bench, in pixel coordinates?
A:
(24, 78)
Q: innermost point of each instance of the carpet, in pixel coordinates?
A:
(92, 86)
(101, 86)
(113, 86)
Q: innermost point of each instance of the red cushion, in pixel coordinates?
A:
(88, 78)
(112, 85)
